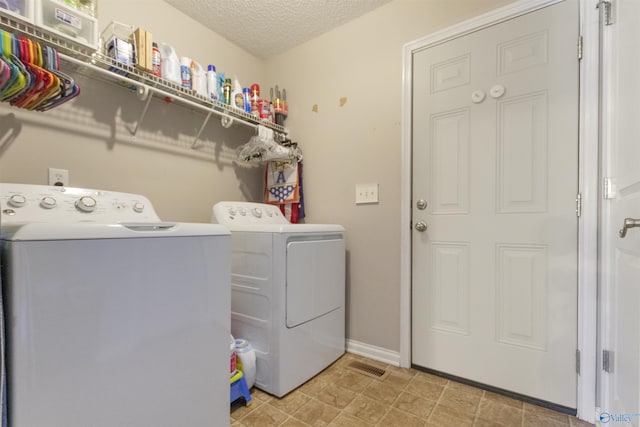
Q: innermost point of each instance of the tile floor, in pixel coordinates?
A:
(341, 396)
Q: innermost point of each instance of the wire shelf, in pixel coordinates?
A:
(83, 60)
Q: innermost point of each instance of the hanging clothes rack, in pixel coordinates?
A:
(30, 75)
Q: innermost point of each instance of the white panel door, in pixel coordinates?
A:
(620, 291)
(495, 158)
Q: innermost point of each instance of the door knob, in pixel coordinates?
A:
(628, 223)
(421, 204)
(421, 226)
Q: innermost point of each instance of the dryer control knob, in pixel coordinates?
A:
(17, 200)
(242, 211)
(48, 202)
(138, 207)
(256, 212)
(86, 204)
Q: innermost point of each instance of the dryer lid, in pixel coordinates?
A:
(261, 217)
(40, 231)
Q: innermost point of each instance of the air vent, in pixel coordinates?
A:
(367, 369)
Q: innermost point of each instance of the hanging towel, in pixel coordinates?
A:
(301, 202)
(284, 189)
(282, 183)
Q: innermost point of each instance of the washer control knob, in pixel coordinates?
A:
(48, 202)
(232, 211)
(256, 212)
(138, 207)
(17, 200)
(86, 204)
(242, 211)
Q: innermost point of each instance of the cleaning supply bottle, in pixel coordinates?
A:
(246, 98)
(156, 61)
(236, 95)
(199, 79)
(212, 82)
(255, 98)
(246, 361)
(170, 64)
(226, 91)
(185, 72)
(220, 86)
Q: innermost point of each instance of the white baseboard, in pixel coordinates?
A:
(372, 352)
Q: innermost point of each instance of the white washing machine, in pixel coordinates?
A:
(113, 318)
(287, 292)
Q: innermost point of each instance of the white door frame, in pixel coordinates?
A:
(588, 184)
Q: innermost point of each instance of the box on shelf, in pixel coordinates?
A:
(120, 50)
(143, 45)
(21, 9)
(67, 22)
(117, 42)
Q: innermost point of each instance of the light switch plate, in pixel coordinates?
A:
(366, 193)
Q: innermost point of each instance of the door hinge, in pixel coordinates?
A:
(579, 205)
(577, 361)
(607, 361)
(607, 8)
(580, 47)
(608, 188)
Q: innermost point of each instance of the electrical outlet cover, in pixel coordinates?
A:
(59, 177)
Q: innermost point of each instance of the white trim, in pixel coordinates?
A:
(588, 224)
(380, 354)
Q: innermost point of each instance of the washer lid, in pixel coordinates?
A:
(89, 230)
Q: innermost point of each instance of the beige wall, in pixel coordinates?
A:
(359, 142)
(90, 136)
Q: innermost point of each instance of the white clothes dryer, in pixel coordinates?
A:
(287, 292)
(113, 317)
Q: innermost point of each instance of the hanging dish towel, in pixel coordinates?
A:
(284, 189)
(282, 183)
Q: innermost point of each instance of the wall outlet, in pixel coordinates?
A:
(59, 177)
(366, 193)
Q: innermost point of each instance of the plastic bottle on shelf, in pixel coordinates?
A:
(185, 72)
(226, 91)
(264, 109)
(199, 79)
(221, 79)
(236, 95)
(156, 61)
(170, 65)
(246, 97)
(212, 82)
(255, 98)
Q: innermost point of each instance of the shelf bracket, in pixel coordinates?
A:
(226, 121)
(144, 113)
(195, 140)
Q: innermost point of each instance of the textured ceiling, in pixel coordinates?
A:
(268, 27)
